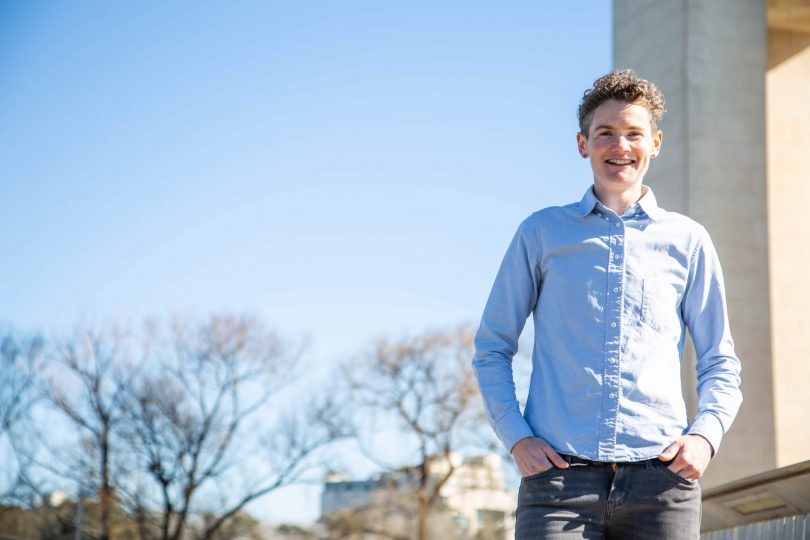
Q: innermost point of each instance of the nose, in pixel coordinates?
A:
(621, 141)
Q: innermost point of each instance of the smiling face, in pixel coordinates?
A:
(620, 144)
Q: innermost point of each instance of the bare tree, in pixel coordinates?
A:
(191, 425)
(20, 361)
(424, 386)
(88, 383)
(175, 430)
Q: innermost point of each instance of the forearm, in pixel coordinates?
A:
(719, 399)
(717, 367)
(493, 372)
(510, 302)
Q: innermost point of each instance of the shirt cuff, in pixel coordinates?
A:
(709, 427)
(512, 428)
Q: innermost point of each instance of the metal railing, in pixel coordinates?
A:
(785, 528)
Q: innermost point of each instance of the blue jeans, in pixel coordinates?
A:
(640, 500)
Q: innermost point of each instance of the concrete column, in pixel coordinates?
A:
(710, 60)
(788, 131)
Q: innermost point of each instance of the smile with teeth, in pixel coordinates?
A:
(620, 161)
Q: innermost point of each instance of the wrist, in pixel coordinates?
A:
(520, 444)
(708, 442)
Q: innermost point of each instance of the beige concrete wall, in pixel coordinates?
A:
(726, 63)
(788, 130)
(639, 27)
(709, 58)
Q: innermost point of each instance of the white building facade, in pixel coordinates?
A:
(473, 503)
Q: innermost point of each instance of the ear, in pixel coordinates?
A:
(582, 145)
(657, 138)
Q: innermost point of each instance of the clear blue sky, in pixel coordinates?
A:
(345, 170)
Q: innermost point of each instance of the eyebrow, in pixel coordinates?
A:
(603, 126)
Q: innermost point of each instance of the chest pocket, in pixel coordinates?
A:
(659, 305)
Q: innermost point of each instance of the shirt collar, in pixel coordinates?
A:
(647, 203)
(650, 205)
(587, 203)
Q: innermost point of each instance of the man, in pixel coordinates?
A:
(613, 281)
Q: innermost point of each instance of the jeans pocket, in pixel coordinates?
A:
(535, 476)
(665, 469)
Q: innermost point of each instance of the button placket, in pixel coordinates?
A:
(615, 255)
(612, 368)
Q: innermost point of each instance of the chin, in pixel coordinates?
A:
(616, 181)
(618, 185)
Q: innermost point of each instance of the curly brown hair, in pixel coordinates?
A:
(623, 85)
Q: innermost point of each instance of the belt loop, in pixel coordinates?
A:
(648, 463)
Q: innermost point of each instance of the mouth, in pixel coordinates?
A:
(619, 162)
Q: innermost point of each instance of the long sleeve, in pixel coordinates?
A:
(512, 299)
(718, 368)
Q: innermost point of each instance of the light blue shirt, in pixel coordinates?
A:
(611, 298)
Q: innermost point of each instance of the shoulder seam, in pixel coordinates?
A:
(694, 251)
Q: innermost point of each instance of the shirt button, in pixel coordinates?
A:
(613, 325)
(607, 218)
(615, 289)
(612, 360)
(619, 224)
(612, 395)
(617, 256)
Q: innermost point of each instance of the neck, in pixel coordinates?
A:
(619, 202)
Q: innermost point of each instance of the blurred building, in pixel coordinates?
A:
(474, 502)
